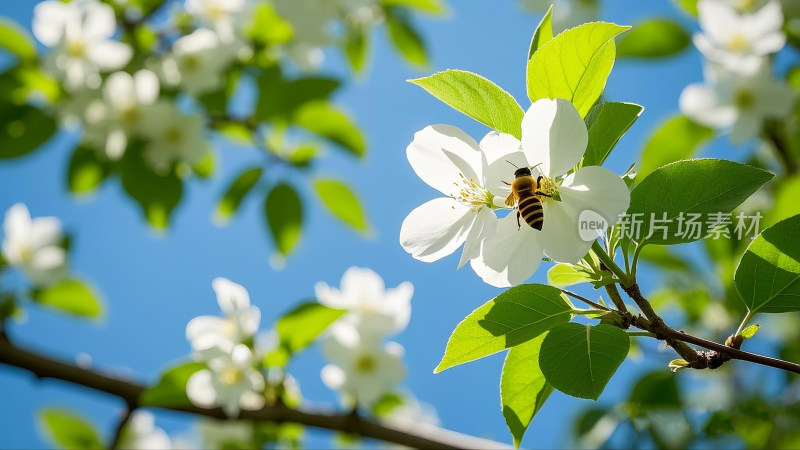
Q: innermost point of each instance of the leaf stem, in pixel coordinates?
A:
(586, 300)
(746, 319)
(608, 261)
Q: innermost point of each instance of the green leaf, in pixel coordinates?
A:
(512, 318)
(406, 39)
(170, 390)
(523, 388)
(356, 47)
(72, 297)
(476, 97)
(15, 40)
(156, 194)
(690, 6)
(236, 192)
(428, 6)
(750, 331)
(698, 186)
(23, 129)
(284, 213)
(386, 404)
(563, 275)
(279, 98)
(86, 171)
(607, 123)
(543, 33)
(768, 276)
(657, 389)
(574, 65)
(268, 27)
(785, 204)
(327, 121)
(340, 201)
(301, 326)
(69, 430)
(677, 138)
(579, 360)
(654, 38)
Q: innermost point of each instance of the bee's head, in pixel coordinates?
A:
(523, 172)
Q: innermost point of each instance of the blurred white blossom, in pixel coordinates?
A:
(197, 62)
(34, 246)
(173, 136)
(122, 112)
(566, 13)
(225, 434)
(222, 15)
(230, 381)
(80, 34)
(739, 41)
(311, 22)
(141, 433)
(738, 103)
(361, 369)
(373, 309)
(239, 324)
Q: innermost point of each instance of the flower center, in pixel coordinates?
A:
(471, 193)
(191, 63)
(744, 99)
(215, 12)
(26, 253)
(231, 376)
(76, 48)
(229, 329)
(174, 136)
(131, 116)
(746, 5)
(365, 364)
(738, 43)
(549, 188)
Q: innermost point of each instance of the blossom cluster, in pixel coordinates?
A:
(691, 226)
(476, 178)
(35, 246)
(740, 92)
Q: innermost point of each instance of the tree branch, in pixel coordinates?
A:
(416, 436)
(123, 421)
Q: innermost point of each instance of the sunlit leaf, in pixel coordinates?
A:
(607, 123)
(280, 97)
(654, 38)
(676, 139)
(301, 326)
(284, 213)
(69, 430)
(170, 390)
(428, 6)
(86, 171)
(406, 39)
(236, 192)
(356, 47)
(72, 297)
(268, 27)
(15, 40)
(157, 194)
(326, 120)
(23, 129)
(340, 200)
(543, 33)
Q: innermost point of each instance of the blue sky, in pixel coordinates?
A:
(154, 284)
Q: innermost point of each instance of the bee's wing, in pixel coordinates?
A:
(511, 200)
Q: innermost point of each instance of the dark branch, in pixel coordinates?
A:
(415, 436)
(585, 300)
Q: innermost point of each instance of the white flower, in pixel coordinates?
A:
(173, 136)
(34, 246)
(226, 434)
(554, 139)
(739, 41)
(238, 326)
(197, 61)
(80, 33)
(413, 413)
(123, 110)
(222, 15)
(231, 381)
(141, 433)
(737, 102)
(453, 163)
(311, 21)
(566, 13)
(362, 369)
(374, 310)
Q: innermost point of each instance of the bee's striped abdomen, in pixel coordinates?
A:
(530, 207)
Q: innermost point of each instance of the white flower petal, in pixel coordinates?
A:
(397, 302)
(147, 87)
(332, 297)
(200, 389)
(500, 174)
(18, 224)
(718, 20)
(100, 21)
(333, 377)
(49, 19)
(509, 256)
(702, 104)
(496, 145)
(746, 128)
(204, 331)
(441, 154)
(770, 43)
(361, 283)
(119, 90)
(554, 135)
(49, 258)
(109, 55)
(45, 231)
(231, 297)
(766, 21)
(774, 99)
(484, 225)
(435, 229)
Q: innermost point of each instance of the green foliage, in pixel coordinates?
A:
(268, 28)
(690, 6)
(386, 404)
(512, 318)
(329, 122)
(405, 38)
(23, 129)
(73, 297)
(768, 276)
(654, 38)
(476, 97)
(356, 47)
(284, 213)
(238, 189)
(298, 329)
(86, 171)
(543, 33)
(658, 389)
(698, 186)
(607, 123)
(429, 6)
(563, 275)
(579, 360)
(279, 97)
(69, 430)
(170, 390)
(157, 194)
(677, 138)
(574, 65)
(340, 201)
(750, 332)
(15, 40)
(523, 388)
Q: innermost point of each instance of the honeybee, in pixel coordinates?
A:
(525, 195)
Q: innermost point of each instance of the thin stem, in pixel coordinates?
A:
(589, 312)
(641, 334)
(414, 436)
(586, 300)
(613, 293)
(746, 319)
(123, 421)
(635, 263)
(609, 263)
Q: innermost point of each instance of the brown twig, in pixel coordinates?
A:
(415, 436)
(586, 300)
